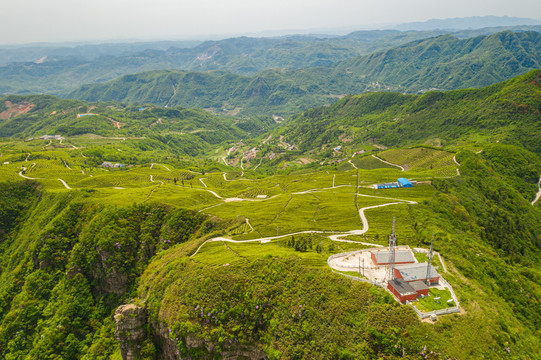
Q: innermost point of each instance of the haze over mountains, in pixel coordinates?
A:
(59, 71)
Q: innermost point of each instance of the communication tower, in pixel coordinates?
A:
(392, 246)
(430, 255)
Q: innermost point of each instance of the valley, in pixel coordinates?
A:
(275, 199)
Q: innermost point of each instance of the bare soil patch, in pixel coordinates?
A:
(15, 109)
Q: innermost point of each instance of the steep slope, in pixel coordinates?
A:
(448, 63)
(444, 62)
(68, 264)
(507, 112)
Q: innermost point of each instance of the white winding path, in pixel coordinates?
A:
(258, 164)
(152, 180)
(456, 162)
(162, 166)
(335, 237)
(242, 166)
(538, 195)
(352, 164)
(64, 183)
(386, 162)
(250, 225)
(27, 177)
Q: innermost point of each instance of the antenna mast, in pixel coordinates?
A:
(430, 255)
(392, 244)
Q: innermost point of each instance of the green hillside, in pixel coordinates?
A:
(212, 235)
(60, 70)
(181, 130)
(448, 63)
(443, 62)
(507, 112)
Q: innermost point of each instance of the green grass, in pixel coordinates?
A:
(440, 163)
(370, 163)
(219, 253)
(429, 303)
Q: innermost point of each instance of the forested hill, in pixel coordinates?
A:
(446, 62)
(508, 112)
(443, 62)
(60, 70)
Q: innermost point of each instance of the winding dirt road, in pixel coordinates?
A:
(386, 162)
(64, 183)
(334, 237)
(538, 195)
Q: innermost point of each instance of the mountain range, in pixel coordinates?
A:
(443, 62)
(59, 71)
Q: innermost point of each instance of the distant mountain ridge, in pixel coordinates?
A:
(443, 62)
(472, 22)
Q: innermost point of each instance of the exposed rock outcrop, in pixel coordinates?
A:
(130, 330)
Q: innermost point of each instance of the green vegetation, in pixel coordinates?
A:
(71, 263)
(151, 233)
(461, 117)
(430, 303)
(443, 62)
(62, 70)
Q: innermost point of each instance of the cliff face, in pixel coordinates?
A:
(130, 332)
(131, 321)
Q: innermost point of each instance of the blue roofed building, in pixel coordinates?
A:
(403, 182)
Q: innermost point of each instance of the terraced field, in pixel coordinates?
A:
(305, 200)
(439, 162)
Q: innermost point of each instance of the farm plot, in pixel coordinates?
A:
(370, 163)
(380, 221)
(438, 161)
(124, 178)
(323, 210)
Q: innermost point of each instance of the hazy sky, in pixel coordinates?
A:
(25, 21)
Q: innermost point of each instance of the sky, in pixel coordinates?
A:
(30, 21)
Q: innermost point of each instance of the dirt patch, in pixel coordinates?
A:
(345, 138)
(15, 109)
(159, 121)
(337, 96)
(117, 124)
(305, 161)
(381, 147)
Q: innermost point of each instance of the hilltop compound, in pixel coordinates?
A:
(396, 269)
